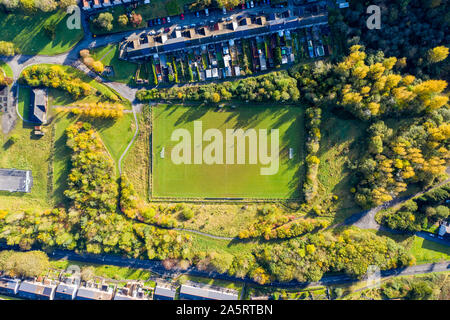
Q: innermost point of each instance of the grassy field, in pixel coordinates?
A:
(6, 69)
(109, 55)
(339, 143)
(221, 180)
(27, 32)
(426, 251)
(30, 153)
(136, 164)
(105, 271)
(24, 102)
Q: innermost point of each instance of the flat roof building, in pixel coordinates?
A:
(14, 180)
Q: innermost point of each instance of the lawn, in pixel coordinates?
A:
(105, 271)
(136, 165)
(6, 69)
(28, 153)
(227, 180)
(24, 102)
(339, 144)
(27, 32)
(426, 251)
(124, 71)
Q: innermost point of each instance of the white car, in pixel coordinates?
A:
(207, 12)
(224, 10)
(252, 4)
(168, 19)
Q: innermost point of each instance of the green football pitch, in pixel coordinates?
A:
(227, 180)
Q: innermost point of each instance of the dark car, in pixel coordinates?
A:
(182, 16)
(149, 23)
(164, 20)
(159, 21)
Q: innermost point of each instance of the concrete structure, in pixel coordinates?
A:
(196, 291)
(14, 180)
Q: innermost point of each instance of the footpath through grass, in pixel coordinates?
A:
(27, 32)
(6, 69)
(228, 180)
(124, 71)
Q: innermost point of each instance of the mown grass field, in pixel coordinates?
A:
(426, 251)
(27, 32)
(227, 180)
(109, 55)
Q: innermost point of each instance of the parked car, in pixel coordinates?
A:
(164, 20)
(229, 19)
(242, 6)
(248, 5)
(207, 12)
(252, 4)
(149, 23)
(197, 14)
(182, 16)
(224, 10)
(166, 30)
(168, 19)
(159, 21)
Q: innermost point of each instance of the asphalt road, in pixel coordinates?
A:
(156, 266)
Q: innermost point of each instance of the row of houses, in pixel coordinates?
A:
(138, 47)
(70, 289)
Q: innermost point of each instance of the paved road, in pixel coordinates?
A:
(157, 267)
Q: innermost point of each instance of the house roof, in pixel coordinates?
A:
(165, 291)
(199, 290)
(65, 288)
(39, 104)
(37, 288)
(94, 294)
(7, 283)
